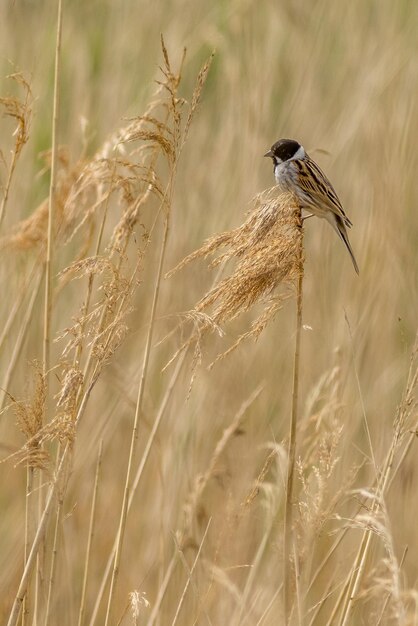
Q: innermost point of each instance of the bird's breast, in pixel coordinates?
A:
(283, 173)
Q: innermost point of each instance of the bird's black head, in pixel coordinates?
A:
(284, 150)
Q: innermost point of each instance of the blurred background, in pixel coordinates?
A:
(341, 78)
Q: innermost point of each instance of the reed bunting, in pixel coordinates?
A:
(297, 172)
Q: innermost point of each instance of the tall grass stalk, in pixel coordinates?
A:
(288, 517)
(134, 437)
(54, 552)
(29, 522)
(48, 281)
(52, 197)
(90, 537)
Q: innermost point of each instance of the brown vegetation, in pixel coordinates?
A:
(131, 496)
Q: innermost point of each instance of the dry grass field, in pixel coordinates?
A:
(143, 479)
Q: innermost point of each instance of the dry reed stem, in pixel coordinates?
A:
(288, 516)
(90, 537)
(29, 532)
(52, 194)
(48, 275)
(54, 553)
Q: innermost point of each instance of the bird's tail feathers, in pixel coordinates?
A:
(340, 228)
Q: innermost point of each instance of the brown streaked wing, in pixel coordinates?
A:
(313, 181)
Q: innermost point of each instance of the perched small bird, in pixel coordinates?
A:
(297, 172)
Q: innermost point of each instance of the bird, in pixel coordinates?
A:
(295, 171)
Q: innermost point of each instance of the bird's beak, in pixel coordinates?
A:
(268, 154)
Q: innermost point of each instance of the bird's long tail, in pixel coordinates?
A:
(340, 228)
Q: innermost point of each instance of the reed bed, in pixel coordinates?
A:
(190, 432)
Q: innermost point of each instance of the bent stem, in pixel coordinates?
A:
(287, 566)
